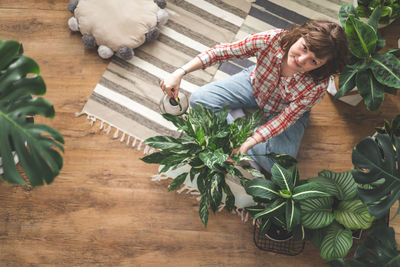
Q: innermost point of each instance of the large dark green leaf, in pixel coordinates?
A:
(230, 198)
(262, 188)
(216, 191)
(282, 177)
(271, 208)
(178, 181)
(361, 37)
(377, 159)
(292, 214)
(353, 214)
(347, 80)
(163, 142)
(176, 120)
(38, 146)
(336, 243)
(378, 249)
(344, 12)
(370, 89)
(316, 213)
(386, 69)
(338, 184)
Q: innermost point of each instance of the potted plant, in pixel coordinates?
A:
(278, 209)
(378, 249)
(371, 72)
(332, 219)
(37, 146)
(376, 163)
(205, 146)
(390, 9)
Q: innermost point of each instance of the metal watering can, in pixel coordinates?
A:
(174, 106)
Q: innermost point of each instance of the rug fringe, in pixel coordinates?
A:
(131, 140)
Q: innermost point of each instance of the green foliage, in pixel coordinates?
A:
(376, 164)
(390, 9)
(372, 72)
(331, 219)
(37, 145)
(206, 145)
(282, 197)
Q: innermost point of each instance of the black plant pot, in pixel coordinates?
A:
(277, 240)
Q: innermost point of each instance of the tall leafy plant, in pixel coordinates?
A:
(373, 73)
(206, 145)
(37, 146)
(331, 219)
(281, 196)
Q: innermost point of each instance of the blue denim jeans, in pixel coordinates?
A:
(236, 91)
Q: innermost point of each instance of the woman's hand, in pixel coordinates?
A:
(172, 83)
(249, 143)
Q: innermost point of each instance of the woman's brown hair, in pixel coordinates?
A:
(324, 39)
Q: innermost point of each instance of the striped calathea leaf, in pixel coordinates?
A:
(282, 195)
(206, 145)
(332, 218)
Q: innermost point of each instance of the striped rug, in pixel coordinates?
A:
(126, 99)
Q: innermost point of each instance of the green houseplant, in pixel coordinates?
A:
(280, 198)
(332, 219)
(378, 249)
(37, 146)
(376, 163)
(390, 9)
(206, 145)
(373, 73)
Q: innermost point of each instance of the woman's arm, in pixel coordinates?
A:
(172, 82)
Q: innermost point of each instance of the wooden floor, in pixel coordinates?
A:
(103, 209)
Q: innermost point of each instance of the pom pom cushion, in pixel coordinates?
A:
(117, 25)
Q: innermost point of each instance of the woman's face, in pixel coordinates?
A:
(301, 59)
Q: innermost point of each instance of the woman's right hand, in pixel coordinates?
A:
(172, 83)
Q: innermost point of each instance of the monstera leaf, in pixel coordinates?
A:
(37, 145)
(376, 162)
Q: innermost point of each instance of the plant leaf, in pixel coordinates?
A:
(178, 181)
(282, 177)
(293, 216)
(262, 188)
(212, 159)
(386, 69)
(309, 190)
(203, 210)
(336, 243)
(276, 205)
(338, 184)
(375, 159)
(163, 142)
(176, 120)
(316, 213)
(347, 80)
(344, 12)
(353, 214)
(374, 18)
(216, 191)
(230, 198)
(361, 37)
(370, 89)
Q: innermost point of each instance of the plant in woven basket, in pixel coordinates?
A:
(378, 249)
(332, 219)
(280, 198)
(376, 163)
(372, 72)
(206, 145)
(36, 145)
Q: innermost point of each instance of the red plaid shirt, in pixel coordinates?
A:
(290, 97)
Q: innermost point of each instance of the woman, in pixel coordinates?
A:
(291, 75)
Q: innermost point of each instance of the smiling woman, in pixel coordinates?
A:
(290, 77)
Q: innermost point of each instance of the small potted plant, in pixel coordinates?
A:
(36, 146)
(205, 146)
(279, 201)
(371, 72)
